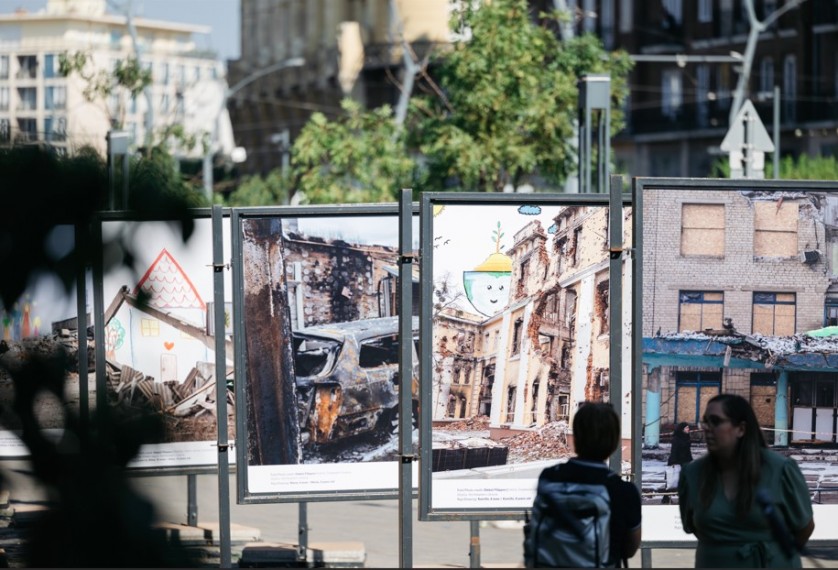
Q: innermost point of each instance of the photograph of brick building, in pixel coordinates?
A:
(739, 296)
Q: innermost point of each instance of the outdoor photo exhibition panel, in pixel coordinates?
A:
(737, 292)
(515, 335)
(317, 352)
(160, 338)
(156, 320)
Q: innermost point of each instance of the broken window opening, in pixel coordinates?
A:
(516, 335)
(379, 352)
(601, 307)
(314, 356)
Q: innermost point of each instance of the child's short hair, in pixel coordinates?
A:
(596, 431)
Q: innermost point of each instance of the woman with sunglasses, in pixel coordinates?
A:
(717, 494)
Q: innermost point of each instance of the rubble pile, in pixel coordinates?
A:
(546, 442)
(195, 396)
(477, 423)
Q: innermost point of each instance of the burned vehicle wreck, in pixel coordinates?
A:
(347, 379)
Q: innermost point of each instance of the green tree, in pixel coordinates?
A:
(271, 190)
(360, 157)
(509, 100)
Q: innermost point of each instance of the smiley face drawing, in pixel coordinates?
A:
(487, 285)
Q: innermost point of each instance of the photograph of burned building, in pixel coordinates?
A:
(740, 295)
(520, 332)
(335, 325)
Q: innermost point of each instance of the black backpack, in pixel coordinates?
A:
(570, 524)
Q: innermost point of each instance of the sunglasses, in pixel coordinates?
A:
(713, 421)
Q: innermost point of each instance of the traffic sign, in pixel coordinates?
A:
(747, 129)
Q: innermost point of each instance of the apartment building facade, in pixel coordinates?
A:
(679, 107)
(40, 105)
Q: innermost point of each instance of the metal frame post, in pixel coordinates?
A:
(474, 545)
(594, 94)
(221, 390)
(615, 307)
(406, 456)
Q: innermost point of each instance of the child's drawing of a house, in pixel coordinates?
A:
(140, 340)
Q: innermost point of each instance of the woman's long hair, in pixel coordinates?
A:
(748, 455)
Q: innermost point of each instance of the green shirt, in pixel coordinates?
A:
(725, 541)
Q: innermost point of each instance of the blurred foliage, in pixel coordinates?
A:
(271, 190)
(361, 157)
(803, 167)
(94, 518)
(42, 190)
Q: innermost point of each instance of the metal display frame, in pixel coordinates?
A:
(194, 214)
(643, 185)
(245, 495)
(615, 201)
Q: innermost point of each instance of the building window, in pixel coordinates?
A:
(4, 66)
(702, 94)
(674, 9)
(27, 130)
(774, 313)
(27, 67)
(766, 75)
(789, 87)
(55, 97)
(692, 392)
(28, 98)
(601, 305)
(672, 93)
(150, 327)
(705, 11)
(5, 131)
(606, 23)
(517, 330)
(775, 229)
(703, 230)
(700, 310)
(50, 66)
(55, 129)
(830, 313)
(4, 98)
(626, 20)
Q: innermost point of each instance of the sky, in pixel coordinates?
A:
(221, 15)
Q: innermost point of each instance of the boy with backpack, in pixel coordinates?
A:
(584, 515)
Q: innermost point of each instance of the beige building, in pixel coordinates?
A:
(39, 105)
(351, 48)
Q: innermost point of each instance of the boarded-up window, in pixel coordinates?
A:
(703, 229)
(775, 229)
(763, 395)
(774, 313)
(692, 392)
(700, 310)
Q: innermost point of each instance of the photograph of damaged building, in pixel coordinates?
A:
(339, 284)
(520, 330)
(740, 295)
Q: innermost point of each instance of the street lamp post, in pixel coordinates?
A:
(229, 92)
